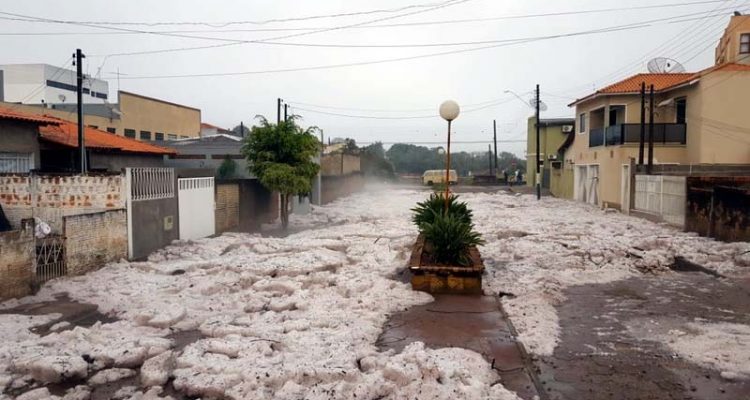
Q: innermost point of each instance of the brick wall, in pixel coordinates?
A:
(16, 262)
(95, 239)
(227, 207)
(51, 197)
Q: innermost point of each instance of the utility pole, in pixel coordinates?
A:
(643, 124)
(278, 111)
(651, 130)
(79, 95)
(538, 147)
(494, 139)
(489, 156)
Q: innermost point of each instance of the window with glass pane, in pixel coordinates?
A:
(745, 43)
(15, 162)
(130, 133)
(145, 135)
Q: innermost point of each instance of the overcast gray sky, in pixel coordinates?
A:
(566, 67)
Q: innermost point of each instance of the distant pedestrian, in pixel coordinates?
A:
(505, 176)
(518, 176)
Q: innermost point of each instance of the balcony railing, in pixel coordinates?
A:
(596, 137)
(631, 133)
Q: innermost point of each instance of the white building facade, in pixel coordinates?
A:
(43, 83)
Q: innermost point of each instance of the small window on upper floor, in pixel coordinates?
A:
(745, 43)
(582, 123)
(111, 130)
(130, 133)
(171, 136)
(158, 136)
(145, 135)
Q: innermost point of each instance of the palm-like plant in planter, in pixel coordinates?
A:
(448, 235)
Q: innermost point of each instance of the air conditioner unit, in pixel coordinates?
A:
(552, 157)
(567, 128)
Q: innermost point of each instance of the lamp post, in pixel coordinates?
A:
(449, 111)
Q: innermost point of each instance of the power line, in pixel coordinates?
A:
(227, 42)
(424, 23)
(682, 37)
(266, 21)
(638, 25)
(381, 110)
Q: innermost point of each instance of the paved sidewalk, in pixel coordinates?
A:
(471, 322)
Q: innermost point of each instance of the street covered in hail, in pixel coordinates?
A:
(244, 316)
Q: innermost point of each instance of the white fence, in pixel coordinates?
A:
(151, 183)
(664, 196)
(197, 211)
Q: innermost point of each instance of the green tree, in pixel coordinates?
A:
(241, 131)
(227, 168)
(281, 156)
(374, 163)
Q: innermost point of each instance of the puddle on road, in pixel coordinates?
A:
(73, 312)
(471, 322)
(598, 357)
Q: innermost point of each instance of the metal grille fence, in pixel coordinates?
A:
(151, 183)
(196, 183)
(15, 162)
(50, 258)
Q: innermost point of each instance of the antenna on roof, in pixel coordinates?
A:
(663, 65)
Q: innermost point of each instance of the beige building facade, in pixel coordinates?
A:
(699, 119)
(134, 116)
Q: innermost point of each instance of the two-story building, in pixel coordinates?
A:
(699, 118)
(555, 136)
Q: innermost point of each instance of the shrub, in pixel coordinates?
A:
(449, 238)
(426, 211)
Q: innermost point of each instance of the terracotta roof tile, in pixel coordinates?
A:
(66, 134)
(661, 82)
(633, 84)
(8, 113)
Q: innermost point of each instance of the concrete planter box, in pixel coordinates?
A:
(448, 279)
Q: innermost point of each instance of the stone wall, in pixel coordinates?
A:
(92, 240)
(339, 164)
(51, 197)
(335, 187)
(16, 262)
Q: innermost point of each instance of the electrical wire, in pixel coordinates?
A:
(229, 42)
(638, 25)
(468, 107)
(424, 23)
(664, 48)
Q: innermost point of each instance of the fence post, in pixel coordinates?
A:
(129, 208)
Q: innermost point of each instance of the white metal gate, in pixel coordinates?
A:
(196, 207)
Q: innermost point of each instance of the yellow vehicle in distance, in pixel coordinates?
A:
(437, 176)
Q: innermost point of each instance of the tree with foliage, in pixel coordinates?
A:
(281, 156)
(375, 164)
(241, 131)
(227, 168)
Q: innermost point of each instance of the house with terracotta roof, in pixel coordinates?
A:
(49, 144)
(700, 118)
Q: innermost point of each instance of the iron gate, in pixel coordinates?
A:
(50, 258)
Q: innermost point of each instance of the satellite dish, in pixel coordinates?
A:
(61, 97)
(542, 105)
(663, 65)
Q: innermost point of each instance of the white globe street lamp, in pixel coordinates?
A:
(449, 111)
